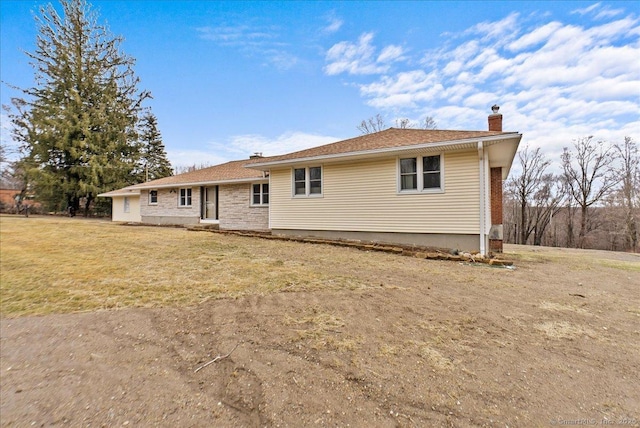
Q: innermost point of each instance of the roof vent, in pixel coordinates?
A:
(256, 155)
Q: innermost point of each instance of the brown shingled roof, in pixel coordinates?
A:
(389, 138)
(226, 172)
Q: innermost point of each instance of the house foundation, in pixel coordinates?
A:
(435, 240)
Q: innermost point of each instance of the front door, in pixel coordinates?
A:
(211, 203)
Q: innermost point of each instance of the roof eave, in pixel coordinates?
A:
(444, 146)
(119, 193)
(200, 183)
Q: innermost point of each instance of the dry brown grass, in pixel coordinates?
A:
(58, 265)
(587, 260)
(322, 330)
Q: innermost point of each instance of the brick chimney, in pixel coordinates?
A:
(495, 234)
(495, 119)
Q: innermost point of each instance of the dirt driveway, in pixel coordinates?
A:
(427, 343)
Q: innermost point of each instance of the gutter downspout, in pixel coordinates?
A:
(483, 187)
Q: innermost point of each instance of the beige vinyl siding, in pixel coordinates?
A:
(117, 209)
(364, 196)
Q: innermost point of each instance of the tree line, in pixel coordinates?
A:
(83, 128)
(593, 202)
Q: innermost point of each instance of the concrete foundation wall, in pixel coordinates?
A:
(170, 220)
(469, 243)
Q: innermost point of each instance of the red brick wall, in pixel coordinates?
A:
(495, 122)
(7, 196)
(495, 245)
(496, 195)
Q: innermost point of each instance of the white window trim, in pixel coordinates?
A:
(307, 182)
(261, 204)
(126, 205)
(420, 172)
(157, 194)
(180, 197)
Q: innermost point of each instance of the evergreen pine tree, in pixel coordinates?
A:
(155, 162)
(78, 124)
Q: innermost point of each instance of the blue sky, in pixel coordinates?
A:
(233, 78)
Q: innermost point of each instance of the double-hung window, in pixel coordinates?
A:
(409, 174)
(185, 197)
(127, 206)
(260, 194)
(153, 197)
(307, 181)
(422, 173)
(431, 172)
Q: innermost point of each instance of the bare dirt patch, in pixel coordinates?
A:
(390, 341)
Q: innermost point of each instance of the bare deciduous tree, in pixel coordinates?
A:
(547, 202)
(377, 123)
(182, 169)
(589, 177)
(371, 125)
(404, 123)
(533, 165)
(429, 123)
(628, 174)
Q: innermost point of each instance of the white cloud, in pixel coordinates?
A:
(353, 58)
(282, 60)
(403, 90)
(238, 35)
(535, 37)
(261, 41)
(391, 53)
(502, 30)
(599, 11)
(287, 142)
(189, 157)
(607, 12)
(555, 80)
(360, 58)
(242, 146)
(334, 24)
(586, 10)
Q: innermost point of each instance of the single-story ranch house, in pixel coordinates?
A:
(435, 188)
